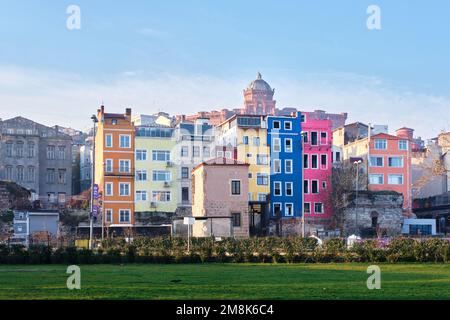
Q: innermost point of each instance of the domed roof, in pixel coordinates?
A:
(259, 84)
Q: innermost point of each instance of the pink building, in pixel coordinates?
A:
(317, 161)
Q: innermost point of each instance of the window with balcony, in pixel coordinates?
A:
(125, 166)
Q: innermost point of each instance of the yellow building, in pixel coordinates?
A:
(248, 135)
(155, 182)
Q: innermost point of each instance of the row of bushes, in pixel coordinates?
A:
(264, 250)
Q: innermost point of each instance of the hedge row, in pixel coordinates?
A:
(263, 250)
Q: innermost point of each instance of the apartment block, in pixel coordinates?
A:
(115, 167)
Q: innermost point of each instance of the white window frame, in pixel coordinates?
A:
(326, 138)
(396, 174)
(143, 153)
(376, 166)
(322, 206)
(106, 189)
(109, 215)
(403, 149)
(308, 189)
(128, 166)
(317, 162)
(378, 175)
(286, 188)
(273, 208)
(120, 189)
(111, 167)
(141, 172)
(290, 125)
(286, 205)
(318, 138)
(120, 215)
(318, 186)
(106, 140)
(279, 125)
(276, 143)
(304, 204)
(281, 188)
(376, 145)
(279, 166)
(141, 193)
(286, 149)
(402, 162)
(129, 141)
(326, 161)
(291, 161)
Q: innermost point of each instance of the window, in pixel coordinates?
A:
(20, 174)
(302, 118)
(289, 209)
(289, 189)
(323, 161)
(50, 152)
(236, 218)
(9, 173)
(288, 125)
(125, 141)
(376, 179)
(314, 186)
(108, 215)
(62, 153)
(161, 155)
(141, 175)
(141, 195)
(402, 145)
(62, 176)
(277, 188)
(314, 139)
(288, 145)
(124, 189)
(262, 179)
(395, 162)
(220, 154)
(380, 144)
(314, 161)
(141, 155)
(235, 187)
(307, 207)
(108, 140)
(250, 196)
(262, 197)
(318, 207)
(161, 175)
(228, 155)
(376, 161)
(114, 122)
(9, 149)
(30, 149)
(51, 197)
(420, 229)
(276, 125)
(305, 161)
(50, 176)
(185, 194)
(324, 185)
(250, 175)
(184, 173)
(256, 141)
(305, 137)
(109, 189)
(245, 140)
(206, 152)
(395, 179)
(338, 156)
(124, 166)
(306, 186)
(196, 151)
(288, 166)
(262, 159)
(19, 149)
(323, 138)
(276, 145)
(161, 196)
(277, 209)
(184, 151)
(109, 165)
(276, 165)
(124, 215)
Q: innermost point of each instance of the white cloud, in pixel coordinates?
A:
(69, 99)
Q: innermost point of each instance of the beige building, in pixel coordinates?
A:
(220, 204)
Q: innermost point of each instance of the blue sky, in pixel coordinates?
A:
(199, 55)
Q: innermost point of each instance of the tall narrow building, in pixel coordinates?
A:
(114, 167)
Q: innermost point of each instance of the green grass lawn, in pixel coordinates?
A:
(227, 281)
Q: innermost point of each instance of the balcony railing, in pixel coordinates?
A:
(119, 172)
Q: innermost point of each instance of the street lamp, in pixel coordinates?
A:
(91, 219)
(303, 134)
(357, 163)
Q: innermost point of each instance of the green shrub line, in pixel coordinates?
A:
(255, 250)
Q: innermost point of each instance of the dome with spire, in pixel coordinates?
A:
(259, 84)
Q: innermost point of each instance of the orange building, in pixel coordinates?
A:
(114, 167)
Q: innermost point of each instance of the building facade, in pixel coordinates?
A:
(39, 158)
(220, 204)
(115, 167)
(317, 167)
(156, 188)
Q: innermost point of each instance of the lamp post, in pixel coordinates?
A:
(91, 220)
(357, 163)
(302, 136)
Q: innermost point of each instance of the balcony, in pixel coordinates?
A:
(119, 172)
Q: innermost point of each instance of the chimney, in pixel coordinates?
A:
(128, 112)
(405, 133)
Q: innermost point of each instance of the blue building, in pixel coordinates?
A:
(284, 140)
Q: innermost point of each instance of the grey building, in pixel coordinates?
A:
(38, 158)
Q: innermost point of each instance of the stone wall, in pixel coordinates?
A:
(377, 210)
